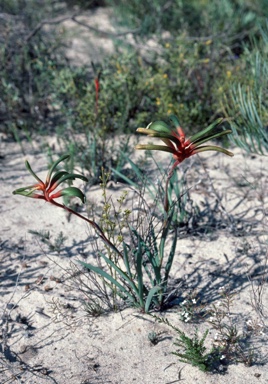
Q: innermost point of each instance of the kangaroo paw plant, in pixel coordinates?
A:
(45, 190)
(177, 144)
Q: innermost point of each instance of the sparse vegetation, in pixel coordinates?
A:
(190, 74)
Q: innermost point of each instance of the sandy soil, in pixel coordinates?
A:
(46, 333)
(47, 336)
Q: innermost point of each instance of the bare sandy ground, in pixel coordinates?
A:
(46, 333)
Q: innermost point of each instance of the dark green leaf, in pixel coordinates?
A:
(57, 176)
(73, 192)
(32, 172)
(54, 165)
(205, 131)
(160, 126)
(150, 297)
(174, 120)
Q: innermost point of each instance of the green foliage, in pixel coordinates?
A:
(28, 82)
(53, 180)
(228, 346)
(246, 100)
(131, 94)
(191, 349)
(29, 9)
(112, 222)
(139, 274)
(201, 47)
(190, 74)
(122, 87)
(199, 18)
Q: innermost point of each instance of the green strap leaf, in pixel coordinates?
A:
(28, 192)
(213, 148)
(160, 126)
(170, 259)
(126, 260)
(151, 297)
(165, 136)
(139, 274)
(164, 237)
(153, 258)
(54, 165)
(123, 275)
(211, 137)
(152, 147)
(106, 275)
(56, 177)
(174, 120)
(33, 173)
(205, 131)
(73, 192)
(65, 177)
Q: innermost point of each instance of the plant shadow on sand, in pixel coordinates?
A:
(215, 249)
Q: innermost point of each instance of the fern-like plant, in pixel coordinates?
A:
(191, 349)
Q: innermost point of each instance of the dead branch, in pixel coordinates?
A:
(105, 33)
(59, 20)
(40, 25)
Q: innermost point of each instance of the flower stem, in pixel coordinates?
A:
(90, 222)
(170, 174)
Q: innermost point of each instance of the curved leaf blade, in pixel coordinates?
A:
(72, 192)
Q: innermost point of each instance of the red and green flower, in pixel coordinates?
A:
(178, 145)
(176, 142)
(46, 190)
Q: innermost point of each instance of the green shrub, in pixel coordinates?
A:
(197, 17)
(189, 75)
(243, 98)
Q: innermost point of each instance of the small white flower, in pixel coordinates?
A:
(184, 302)
(222, 357)
(194, 301)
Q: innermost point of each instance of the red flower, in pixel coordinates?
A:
(176, 143)
(180, 147)
(52, 182)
